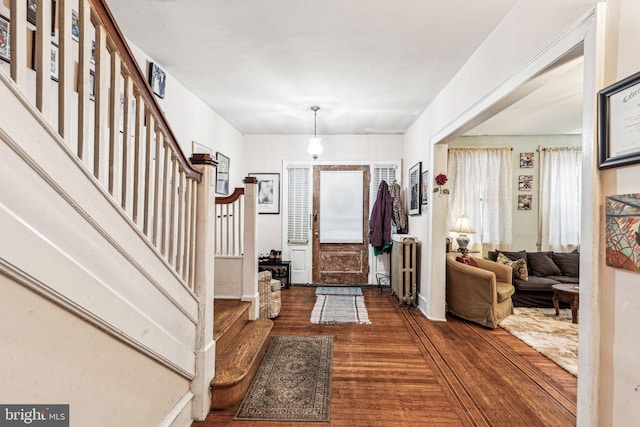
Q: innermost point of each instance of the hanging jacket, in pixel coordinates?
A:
(380, 221)
(399, 212)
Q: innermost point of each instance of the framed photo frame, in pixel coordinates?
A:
(200, 148)
(414, 189)
(526, 160)
(222, 174)
(619, 123)
(424, 183)
(524, 202)
(268, 192)
(525, 182)
(32, 8)
(92, 85)
(75, 25)
(157, 79)
(5, 41)
(55, 62)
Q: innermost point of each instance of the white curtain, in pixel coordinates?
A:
(559, 216)
(480, 185)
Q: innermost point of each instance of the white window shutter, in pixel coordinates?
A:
(380, 173)
(299, 210)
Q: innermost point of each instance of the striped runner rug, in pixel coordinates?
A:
(338, 290)
(339, 309)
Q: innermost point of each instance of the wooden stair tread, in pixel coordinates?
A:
(235, 363)
(226, 312)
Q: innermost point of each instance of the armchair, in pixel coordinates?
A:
(479, 294)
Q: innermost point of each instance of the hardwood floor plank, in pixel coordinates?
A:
(404, 370)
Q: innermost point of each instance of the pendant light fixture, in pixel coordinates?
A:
(315, 149)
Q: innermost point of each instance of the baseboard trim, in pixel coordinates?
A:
(180, 414)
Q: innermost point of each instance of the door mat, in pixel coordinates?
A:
(554, 336)
(293, 382)
(339, 309)
(338, 290)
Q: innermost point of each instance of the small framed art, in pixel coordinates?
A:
(414, 189)
(5, 45)
(525, 182)
(619, 123)
(268, 192)
(424, 180)
(222, 174)
(524, 202)
(526, 160)
(157, 79)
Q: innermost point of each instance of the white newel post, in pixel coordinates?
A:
(250, 258)
(205, 349)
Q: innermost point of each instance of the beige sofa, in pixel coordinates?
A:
(480, 294)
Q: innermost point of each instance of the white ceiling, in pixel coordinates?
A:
(371, 65)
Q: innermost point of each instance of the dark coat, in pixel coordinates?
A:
(380, 221)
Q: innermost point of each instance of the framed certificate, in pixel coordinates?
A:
(619, 123)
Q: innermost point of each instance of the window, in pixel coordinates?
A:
(298, 199)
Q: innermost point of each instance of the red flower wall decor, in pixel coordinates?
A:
(441, 179)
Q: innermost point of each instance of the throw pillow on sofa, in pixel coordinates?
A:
(541, 264)
(513, 256)
(519, 266)
(569, 263)
(466, 259)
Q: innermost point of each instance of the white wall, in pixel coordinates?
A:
(51, 356)
(265, 153)
(193, 120)
(525, 223)
(620, 370)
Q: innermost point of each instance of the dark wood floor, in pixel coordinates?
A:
(404, 370)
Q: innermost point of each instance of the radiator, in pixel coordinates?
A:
(404, 269)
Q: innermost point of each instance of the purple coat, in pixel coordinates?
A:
(380, 221)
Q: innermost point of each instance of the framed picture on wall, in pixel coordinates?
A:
(526, 160)
(619, 123)
(5, 45)
(525, 182)
(424, 181)
(268, 192)
(524, 202)
(196, 147)
(222, 174)
(55, 61)
(414, 189)
(157, 79)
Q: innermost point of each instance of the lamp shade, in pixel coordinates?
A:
(315, 149)
(462, 225)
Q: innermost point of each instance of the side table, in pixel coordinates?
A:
(570, 293)
(280, 270)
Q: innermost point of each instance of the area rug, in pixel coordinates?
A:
(339, 309)
(338, 290)
(293, 382)
(554, 336)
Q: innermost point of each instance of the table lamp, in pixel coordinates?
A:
(462, 226)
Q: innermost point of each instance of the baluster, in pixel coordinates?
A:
(218, 229)
(101, 107)
(84, 83)
(173, 229)
(65, 70)
(19, 40)
(181, 220)
(228, 232)
(166, 217)
(127, 164)
(159, 191)
(147, 228)
(43, 57)
(114, 127)
(232, 225)
(138, 162)
(189, 231)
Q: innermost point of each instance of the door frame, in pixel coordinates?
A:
(375, 264)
